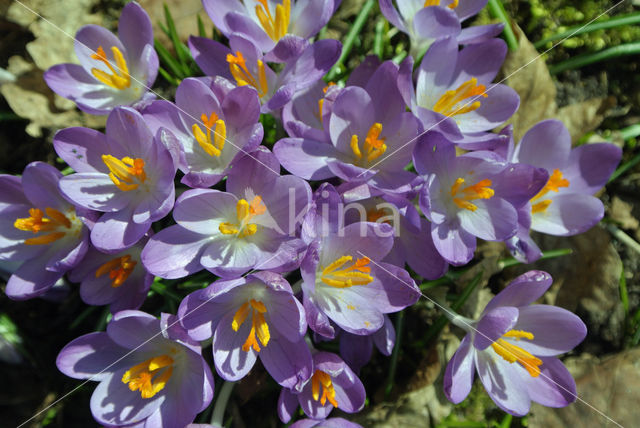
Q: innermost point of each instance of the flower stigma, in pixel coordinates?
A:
(555, 182)
(126, 173)
(55, 222)
(245, 211)
(259, 327)
(150, 376)
(480, 190)
(512, 353)
(118, 79)
(374, 146)
(240, 72)
(119, 270)
(356, 274)
(319, 379)
(448, 104)
(212, 148)
(276, 27)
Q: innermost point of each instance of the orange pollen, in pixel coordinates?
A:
(480, 190)
(245, 212)
(240, 72)
(374, 146)
(449, 103)
(119, 270)
(150, 376)
(555, 182)
(212, 148)
(515, 354)
(259, 327)
(277, 27)
(356, 274)
(38, 222)
(126, 173)
(119, 77)
(322, 379)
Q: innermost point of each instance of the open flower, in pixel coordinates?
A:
(251, 317)
(213, 133)
(113, 71)
(40, 230)
(151, 374)
(127, 174)
(333, 384)
(513, 348)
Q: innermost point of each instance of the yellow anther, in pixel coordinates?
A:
(374, 146)
(451, 5)
(449, 103)
(512, 353)
(555, 182)
(37, 222)
(245, 212)
(259, 333)
(277, 27)
(150, 376)
(480, 190)
(212, 148)
(322, 379)
(126, 173)
(119, 77)
(356, 274)
(240, 72)
(119, 270)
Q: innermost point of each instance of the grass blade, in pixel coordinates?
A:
(590, 58)
(175, 39)
(394, 355)
(378, 42)
(496, 10)
(201, 30)
(624, 168)
(168, 60)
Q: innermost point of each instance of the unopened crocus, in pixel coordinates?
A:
(333, 384)
(251, 317)
(41, 233)
(127, 174)
(472, 195)
(242, 64)
(372, 137)
(150, 372)
(213, 133)
(453, 92)
(113, 71)
(279, 28)
(565, 206)
(513, 347)
(118, 280)
(251, 226)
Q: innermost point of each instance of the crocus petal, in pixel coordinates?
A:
(546, 145)
(560, 219)
(30, 281)
(436, 23)
(453, 243)
(522, 291)
(232, 363)
(93, 355)
(591, 165)
(311, 17)
(81, 148)
(493, 325)
(73, 82)
(40, 186)
(479, 33)
(494, 220)
(287, 405)
(502, 381)
(288, 363)
(134, 329)
(134, 29)
(305, 158)
(174, 252)
(458, 376)
(554, 387)
(116, 231)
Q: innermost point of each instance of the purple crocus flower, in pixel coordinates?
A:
(40, 231)
(304, 116)
(513, 347)
(453, 92)
(119, 280)
(127, 174)
(565, 205)
(278, 27)
(150, 372)
(326, 423)
(371, 137)
(213, 133)
(251, 226)
(113, 71)
(333, 384)
(242, 64)
(251, 317)
(472, 195)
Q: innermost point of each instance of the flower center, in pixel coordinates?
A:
(245, 211)
(150, 376)
(276, 27)
(259, 327)
(119, 270)
(212, 148)
(357, 273)
(119, 77)
(322, 379)
(452, 5)
(126, 173)
(515, 354)
(37, 222)
(374, 146)
(321, 100)
(450, 103)
(480, 190)
(240, 72)
(555, 182)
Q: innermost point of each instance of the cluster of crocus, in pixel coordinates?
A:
(416, 173)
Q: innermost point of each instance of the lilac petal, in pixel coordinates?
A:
(210, 56)
(194, 97)
(493, 325)
(590, 166)
(383, 89)
(241, 107)
(350, 172)
(421, 254)
(359, 240)
(127, 127)
(87, 41)
(288, 363)
(494, 220)
(228, 261)
(352, 312)
(116, 231)
(522, 291)
(281, 96)
(242, 24)
(81, 148)
(555, 330)
(503, 382)
(256, 170)
(481, 61)
(232, 363)
(391, 13)
(479, 33)
(363, 72)
(356, 350)
(385, 338)
(312, 64)
(287, 316)
(483, 141)
(73, 82)
(174, 252)
(287, 405)
(134, 29)
(31, 280)
(217, 10)
(351, 115)
(405, 80)
(519, 183)
(311, 17)
(318, 320)
(433, 154)
(94, 191)
(554, 387)
(468, 8)
(287, 49)
(546, 145)
(436, 23)
(458, 376)
(90, 356)
(134, 329)
(501, 103)
(203, 210)
(393, 290)
(305, 158)
(40, 186)
(439, 123)
(326, 423)
(568, 214)
(436, 69)
(453, 243)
